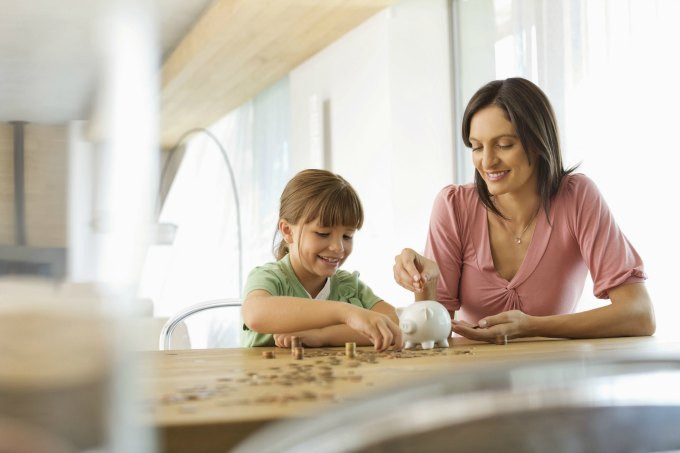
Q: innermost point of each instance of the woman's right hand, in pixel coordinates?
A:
(415, 272)
(377, 327)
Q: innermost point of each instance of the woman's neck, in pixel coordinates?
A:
(518, 208)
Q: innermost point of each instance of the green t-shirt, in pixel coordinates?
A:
(278, 279)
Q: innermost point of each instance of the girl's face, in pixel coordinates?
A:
(498, 154)
(316, 252)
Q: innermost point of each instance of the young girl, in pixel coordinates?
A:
(304, 293)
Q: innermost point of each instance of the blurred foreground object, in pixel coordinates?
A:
(56, 366)
(610, 403)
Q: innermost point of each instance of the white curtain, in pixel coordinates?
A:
(202, 262)
(611, 68)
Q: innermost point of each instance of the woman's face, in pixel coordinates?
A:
(498, 154)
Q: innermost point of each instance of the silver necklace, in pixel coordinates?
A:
(518, 239)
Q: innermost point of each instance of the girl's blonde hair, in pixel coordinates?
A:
(318, 194)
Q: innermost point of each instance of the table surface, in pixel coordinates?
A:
(215, 397)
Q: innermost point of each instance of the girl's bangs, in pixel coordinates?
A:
(341, 208)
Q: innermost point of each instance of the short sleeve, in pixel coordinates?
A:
(609, 255)
(444, 245)
(351, 289)
(366, 296)
(265, 278)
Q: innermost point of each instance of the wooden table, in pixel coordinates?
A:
(209, 400)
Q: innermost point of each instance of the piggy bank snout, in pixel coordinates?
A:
(407, 326)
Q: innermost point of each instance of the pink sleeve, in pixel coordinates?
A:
(611, 259)
(444, 246)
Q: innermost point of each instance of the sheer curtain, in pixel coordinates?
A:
(610, 67)
(202, 262)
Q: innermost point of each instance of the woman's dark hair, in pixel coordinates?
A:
(530, 112)
(319, 194)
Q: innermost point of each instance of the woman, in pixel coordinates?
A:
(511, 251)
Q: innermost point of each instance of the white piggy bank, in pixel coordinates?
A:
(426, 322)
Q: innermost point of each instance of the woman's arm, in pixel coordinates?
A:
(629, 314)
(417, 274)
(265, 313)
(436, 274)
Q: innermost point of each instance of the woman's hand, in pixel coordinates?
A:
(415, 272)
(377, 327)
(310, 338)
(497, 328)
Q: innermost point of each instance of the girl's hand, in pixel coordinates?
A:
(377, 327)
(309, 338)
(414, 272)
(498, 329)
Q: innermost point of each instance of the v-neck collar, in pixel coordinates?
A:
(537, 247)
(324, 293)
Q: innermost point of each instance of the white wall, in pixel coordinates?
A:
(376, 108)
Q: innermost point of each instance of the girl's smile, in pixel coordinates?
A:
(316, 251)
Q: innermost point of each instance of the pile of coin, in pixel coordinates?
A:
(296, 349)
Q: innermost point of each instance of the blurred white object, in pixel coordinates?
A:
(426, 322)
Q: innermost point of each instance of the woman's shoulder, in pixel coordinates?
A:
(455, 194)
(577, 186)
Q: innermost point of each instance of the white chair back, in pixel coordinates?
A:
(212, 323)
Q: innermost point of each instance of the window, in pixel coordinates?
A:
(202, 262)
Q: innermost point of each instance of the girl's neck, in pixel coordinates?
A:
(314, 290)
(312, 283)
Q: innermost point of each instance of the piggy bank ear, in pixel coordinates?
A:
(399, 312)
(429, 314)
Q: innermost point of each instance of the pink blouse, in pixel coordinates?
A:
(581, 235)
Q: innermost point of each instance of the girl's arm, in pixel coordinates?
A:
(336, 335)
(629, 314)
(265, 313)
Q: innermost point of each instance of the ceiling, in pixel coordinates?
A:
(217, 54)
(239, 47)
(48, 54)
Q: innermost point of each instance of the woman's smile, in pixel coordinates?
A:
(498, 154)
(496, 175)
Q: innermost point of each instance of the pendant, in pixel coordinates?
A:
(518, 240)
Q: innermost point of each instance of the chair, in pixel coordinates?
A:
(165, 340)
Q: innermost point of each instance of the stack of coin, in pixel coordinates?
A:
(294, 343)
(350, 350)
(299, 353)
(268, 354)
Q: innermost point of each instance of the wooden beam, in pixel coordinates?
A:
(239, 47)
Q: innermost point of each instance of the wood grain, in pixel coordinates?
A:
(239, 47)
(218, 397)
